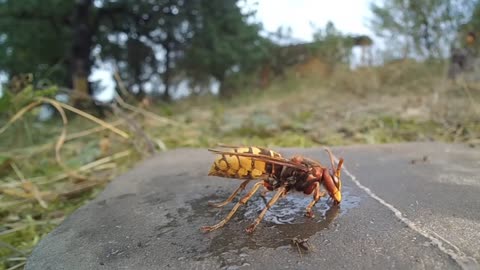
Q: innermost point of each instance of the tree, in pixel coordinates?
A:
(53, 39)
(151, 42)
(332, 45)
(148, 41)
(420, 28)
(34, 37)
(224, 43)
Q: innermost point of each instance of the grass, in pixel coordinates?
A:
(399, 103)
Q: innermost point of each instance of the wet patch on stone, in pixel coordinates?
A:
(291, 209)
(283, 222)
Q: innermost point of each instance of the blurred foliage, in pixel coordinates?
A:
(24, 92)
(333, 46)
(34, 37)
(223, 44)
(151, 43)
(420, 28)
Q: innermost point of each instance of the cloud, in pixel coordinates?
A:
(349, 16)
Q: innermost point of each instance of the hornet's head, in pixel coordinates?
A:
(333, 182)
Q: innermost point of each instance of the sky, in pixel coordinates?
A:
(349, 16)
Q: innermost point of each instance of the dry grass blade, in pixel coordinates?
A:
(136, 129)
(32, 150)
(29, 187)
(18, 227)
(61, 139)
(63, 134)
(28, 192)
(89, 117)
(28, 151)
(11, 204)
(474, 105)
(19, 114)
(17, 171)
(17, 266)
(124, 104)
(80, 189)
(145, 112)
(104, 160)
(16, 250)
(121, 85)
(89, 166)
(91, 131)
(60, 106)
(33, 189)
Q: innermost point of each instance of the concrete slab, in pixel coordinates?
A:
(406, 206)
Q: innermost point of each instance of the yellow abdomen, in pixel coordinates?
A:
(234, 166)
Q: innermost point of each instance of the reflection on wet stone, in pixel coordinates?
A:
(284, 221)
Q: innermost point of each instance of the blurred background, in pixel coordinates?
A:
(91, 87)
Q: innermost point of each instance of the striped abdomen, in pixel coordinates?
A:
(234, 166)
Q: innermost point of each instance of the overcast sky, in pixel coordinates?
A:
(349, 16)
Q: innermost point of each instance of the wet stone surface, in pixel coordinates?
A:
(399, 211)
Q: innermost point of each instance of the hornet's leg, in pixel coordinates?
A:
(278, 195)
(317, 194)
(263, 195)
(235, 208)
(240, 188)
(264, 192)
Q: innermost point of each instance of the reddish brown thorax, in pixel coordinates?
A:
(317, 172)
(297, 159)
